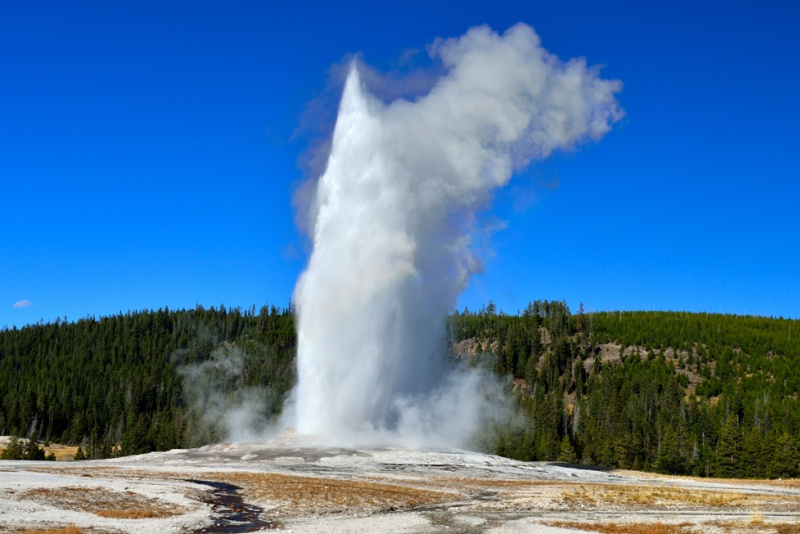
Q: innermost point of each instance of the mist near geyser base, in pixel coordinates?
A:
(392, 223)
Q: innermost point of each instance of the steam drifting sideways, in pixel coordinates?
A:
(392, 222)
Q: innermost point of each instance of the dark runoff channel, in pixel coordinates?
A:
(230, 513)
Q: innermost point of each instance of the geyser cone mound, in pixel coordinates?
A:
(392, 222)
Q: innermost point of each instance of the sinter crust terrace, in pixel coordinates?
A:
(302, 488)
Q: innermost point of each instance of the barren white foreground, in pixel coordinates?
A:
(303, 488)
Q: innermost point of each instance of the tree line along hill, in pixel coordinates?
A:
(673, 392)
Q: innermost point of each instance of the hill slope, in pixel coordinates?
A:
(699, 394)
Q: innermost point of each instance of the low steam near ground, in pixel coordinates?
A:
(217, 401)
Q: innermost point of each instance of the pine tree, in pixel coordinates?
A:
(753, 459)
(669, 454)
(13, 451)
(31, 449)
(726, 458)
(566, 452)
(784, 458)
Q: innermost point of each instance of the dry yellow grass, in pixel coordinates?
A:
(755, 525)
(104, 502)
(62, 452)
(593, 495)
(301, 494)
(789, 482)
(63, 530)
(129, 514)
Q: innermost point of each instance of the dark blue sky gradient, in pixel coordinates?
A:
(149, 150)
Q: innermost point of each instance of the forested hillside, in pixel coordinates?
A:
(704, 394)
(117, 382)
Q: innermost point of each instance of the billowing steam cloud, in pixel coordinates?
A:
(392, 222)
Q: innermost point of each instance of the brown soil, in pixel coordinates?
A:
(296, 495)
(103, 502)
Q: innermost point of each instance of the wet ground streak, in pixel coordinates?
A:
(229, 511)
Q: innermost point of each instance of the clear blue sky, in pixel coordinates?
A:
(148, 155)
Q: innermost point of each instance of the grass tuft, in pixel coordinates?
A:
(592, 495)
(62, 530)
(128, 514)
(301, 494)
(104, 502)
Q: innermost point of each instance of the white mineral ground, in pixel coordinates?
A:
(304, 488)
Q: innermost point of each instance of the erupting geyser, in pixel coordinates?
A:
(392, 221)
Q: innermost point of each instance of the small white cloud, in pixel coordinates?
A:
(25, 303)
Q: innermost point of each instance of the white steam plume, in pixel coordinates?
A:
(218, 404)
(392, 222)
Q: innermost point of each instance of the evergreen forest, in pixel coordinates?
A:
(142, 381)
(672, 392)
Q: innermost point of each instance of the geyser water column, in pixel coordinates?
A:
(392, 221)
